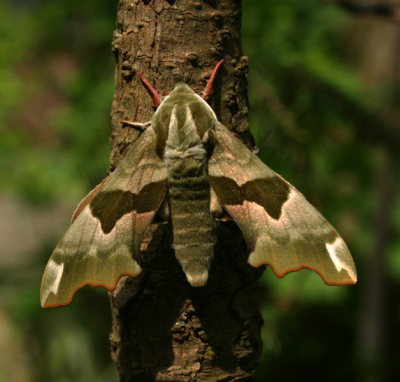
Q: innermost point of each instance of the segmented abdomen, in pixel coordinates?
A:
(193, 226)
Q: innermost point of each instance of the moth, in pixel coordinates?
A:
(190, 170)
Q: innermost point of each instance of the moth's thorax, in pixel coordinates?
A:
(181, 109)
(185, 154)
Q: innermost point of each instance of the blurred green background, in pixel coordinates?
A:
(324, 96)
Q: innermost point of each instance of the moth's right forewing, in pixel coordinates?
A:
(97, 249)
(281, 228)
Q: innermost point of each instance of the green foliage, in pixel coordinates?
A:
(56, 75)
(56, 72)
(315, 119)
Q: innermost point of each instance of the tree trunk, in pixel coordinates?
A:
(164, 329)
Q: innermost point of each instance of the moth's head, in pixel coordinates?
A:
(182, 88)
(181, 94)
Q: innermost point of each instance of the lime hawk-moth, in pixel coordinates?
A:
(188, 169)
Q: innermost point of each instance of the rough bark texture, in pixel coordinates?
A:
(163, 329)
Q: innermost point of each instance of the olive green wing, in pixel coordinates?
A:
(281, 228)
(104, 239)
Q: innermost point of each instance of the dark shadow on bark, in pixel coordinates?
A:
(207, 322)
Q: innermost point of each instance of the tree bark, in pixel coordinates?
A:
(164, 329)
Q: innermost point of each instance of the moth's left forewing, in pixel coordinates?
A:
(87, 199)
(103, 242)
(87, 256)
(281, 228)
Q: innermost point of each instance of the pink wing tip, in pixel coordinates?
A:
(109, 288)
(348, 281)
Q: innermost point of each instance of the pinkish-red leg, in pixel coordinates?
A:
(209, 88)
(156, 97)
(140, 126)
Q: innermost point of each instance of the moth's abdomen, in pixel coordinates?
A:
(193, 226)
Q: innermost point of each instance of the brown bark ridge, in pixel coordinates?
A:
(164, 329)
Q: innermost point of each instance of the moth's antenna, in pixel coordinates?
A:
(156, 97)
(209, 88)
